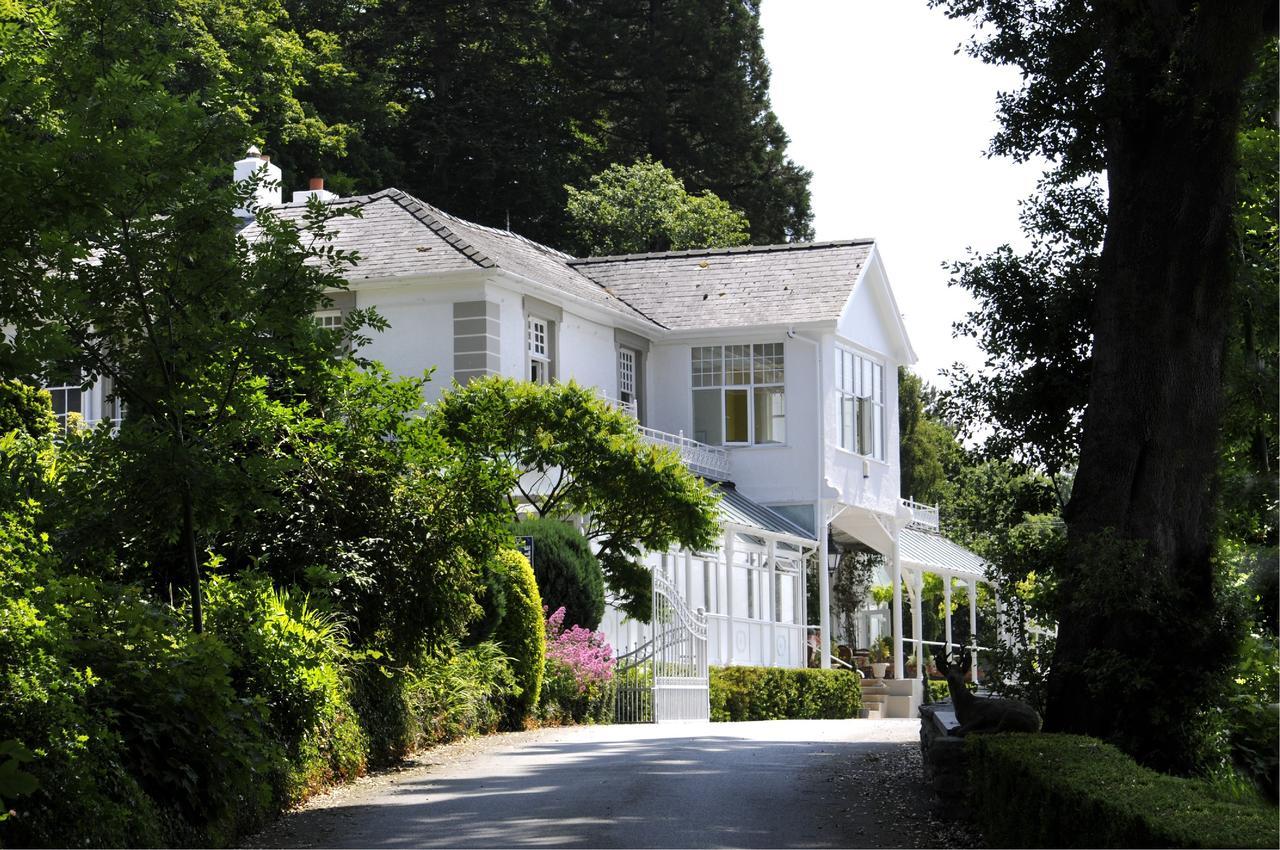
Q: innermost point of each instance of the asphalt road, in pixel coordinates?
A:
(797, 783)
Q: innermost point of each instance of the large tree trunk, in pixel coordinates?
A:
(1142, 640)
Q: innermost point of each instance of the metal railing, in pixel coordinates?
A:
(922, 515)
(707, 461)
(627, 407)
(666, 677)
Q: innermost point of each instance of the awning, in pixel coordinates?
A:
(936, 554)
(737, 510)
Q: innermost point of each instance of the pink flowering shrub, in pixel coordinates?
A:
(578, 679)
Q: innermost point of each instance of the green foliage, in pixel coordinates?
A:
(569, 576)
(292, 657)
(563, 700)
(850, 586)
(775, 693)
(644, 207)
(1070, 791)
(456, 693)
(583, 458)
(568, 89)
(521, 634)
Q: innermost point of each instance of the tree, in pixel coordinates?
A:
(928, 451)
(489, 109)
(571, 455)
(1152, 93)
(122, 259)
(644, 207)
(569, 575)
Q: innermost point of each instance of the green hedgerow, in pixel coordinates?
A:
(521, 634)
(777, 693)
(1047, 790)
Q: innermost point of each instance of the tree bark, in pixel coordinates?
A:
(193, 561)
(1141, 639)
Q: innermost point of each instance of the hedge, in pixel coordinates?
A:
(776, 693)
(568, 574)
(521, 633)
(1047, 790)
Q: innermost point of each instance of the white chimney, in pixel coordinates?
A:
(316, 189)
(268, 191)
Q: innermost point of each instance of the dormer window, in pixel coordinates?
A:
(539, 339)
(739, 395)
(860, 384)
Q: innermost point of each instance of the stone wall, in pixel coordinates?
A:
(946, 769)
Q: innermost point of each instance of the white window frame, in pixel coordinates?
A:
(330, 320)
(627, 375)
(860, 390)
(538, 345)
(719, 377)
(64, 393)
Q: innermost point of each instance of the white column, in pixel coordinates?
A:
(917, 627)
(946, 602)
(688, 578)
(824, 605)
(728, 592)
(897, 610)
(772, 606)
(973, 625)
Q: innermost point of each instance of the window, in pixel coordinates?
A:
(626, 376)
(330, 320)
(860, 384)
(67, 397)
(738, 394)
(539, 336)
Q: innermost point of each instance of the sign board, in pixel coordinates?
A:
(525, 545)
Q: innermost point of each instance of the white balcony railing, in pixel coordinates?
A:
(923, 516)
(707, 461)
(627, 407)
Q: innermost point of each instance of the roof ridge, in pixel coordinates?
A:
(741, 249)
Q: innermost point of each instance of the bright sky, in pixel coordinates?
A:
(893, 125)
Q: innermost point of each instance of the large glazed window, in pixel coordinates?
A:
(738, 394)
(66, 396)
(860, 385)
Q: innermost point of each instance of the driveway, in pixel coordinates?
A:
(785, 783)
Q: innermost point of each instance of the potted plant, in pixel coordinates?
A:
(879, 657)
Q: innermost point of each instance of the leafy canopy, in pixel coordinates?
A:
(644, 207)
(568, 455)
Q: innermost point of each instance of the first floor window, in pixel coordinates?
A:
(738, 394)
(626, 376)
(860, 386)
(330, 320)
(539, 336)
(67, 396)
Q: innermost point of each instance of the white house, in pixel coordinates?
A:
(771, 369)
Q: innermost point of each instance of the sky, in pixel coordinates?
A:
(894, 125)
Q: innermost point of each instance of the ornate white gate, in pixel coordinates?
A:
(665, 678)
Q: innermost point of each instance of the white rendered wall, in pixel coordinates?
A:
(588, 354)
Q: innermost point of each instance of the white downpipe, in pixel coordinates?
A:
(824, 602)
(772, 606)
(946, 601)
(897, 609)
(917, 627)
(973, 626)
(728, 592)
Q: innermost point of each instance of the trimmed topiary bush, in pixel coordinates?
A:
(521, 634)
(776, 693)
(569, 575)
(1047, 790)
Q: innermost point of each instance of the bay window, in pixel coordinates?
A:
(738, 394)
(860, 386)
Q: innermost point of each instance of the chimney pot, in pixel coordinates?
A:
(317, 184)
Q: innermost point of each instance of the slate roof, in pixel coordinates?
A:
(398, 235)
(737, 509)
(735, 287)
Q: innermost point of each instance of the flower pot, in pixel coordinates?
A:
(878, 668)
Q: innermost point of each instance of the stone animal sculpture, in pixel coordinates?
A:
(983, 714)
